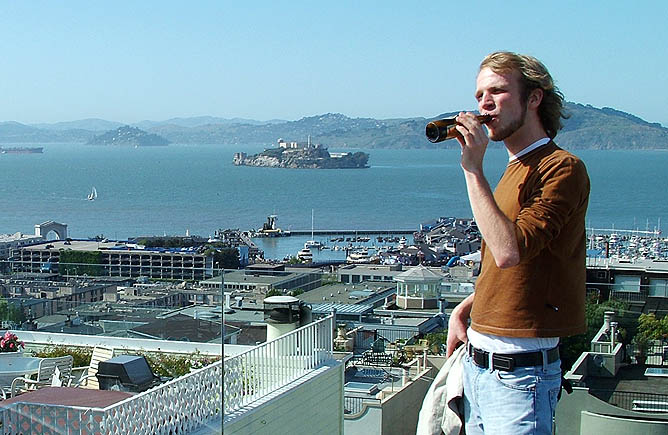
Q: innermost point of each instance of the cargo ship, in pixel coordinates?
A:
(21, 150)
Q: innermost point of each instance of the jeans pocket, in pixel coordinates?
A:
(521, 379)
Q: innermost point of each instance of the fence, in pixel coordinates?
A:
(263, 369)
(365, 338)
(633, 401)
(355, 405)
(178, 406)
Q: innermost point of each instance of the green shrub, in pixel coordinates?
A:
(173, 366)
(81, 356)
(162, 365)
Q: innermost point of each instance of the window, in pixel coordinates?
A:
(658, 287)
(627, 283)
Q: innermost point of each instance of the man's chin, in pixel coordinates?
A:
(496, 136)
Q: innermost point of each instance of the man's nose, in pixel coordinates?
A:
(486, 102)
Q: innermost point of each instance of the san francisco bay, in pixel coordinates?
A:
(177, 189)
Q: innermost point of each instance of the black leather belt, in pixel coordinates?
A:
(508, 361)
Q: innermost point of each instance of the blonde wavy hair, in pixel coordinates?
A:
(534, 75)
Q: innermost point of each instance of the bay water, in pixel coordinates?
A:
(196, 189)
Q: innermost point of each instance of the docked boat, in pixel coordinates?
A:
(358, 256)
(312, 243)
(305, 254)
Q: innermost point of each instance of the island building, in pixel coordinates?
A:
(296, 145)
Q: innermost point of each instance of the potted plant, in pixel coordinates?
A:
(10, 344)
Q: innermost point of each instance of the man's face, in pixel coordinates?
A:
(500, 95)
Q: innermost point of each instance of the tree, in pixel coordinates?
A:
(437, 341)
(11, 313)
(651, 328)
(227, 258)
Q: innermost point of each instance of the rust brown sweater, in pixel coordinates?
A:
(545, 193)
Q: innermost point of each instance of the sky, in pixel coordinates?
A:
(129, 61)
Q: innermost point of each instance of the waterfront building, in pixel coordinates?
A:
(10, 242)
(111, 258)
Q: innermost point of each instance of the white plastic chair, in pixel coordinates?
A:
(60, 367)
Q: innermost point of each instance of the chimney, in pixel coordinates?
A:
(613, 334)
(607, 318)
(441, 305)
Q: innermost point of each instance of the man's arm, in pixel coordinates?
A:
(458, 324)
(497, 230)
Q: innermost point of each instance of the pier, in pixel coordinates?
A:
(347, 232)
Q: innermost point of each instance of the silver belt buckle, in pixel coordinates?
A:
(504, 363)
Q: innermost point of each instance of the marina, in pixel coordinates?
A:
(627, 245)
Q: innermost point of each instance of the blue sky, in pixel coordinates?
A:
(130, 61)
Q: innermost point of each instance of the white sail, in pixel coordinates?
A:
(93, 194)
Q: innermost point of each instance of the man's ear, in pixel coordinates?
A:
(535, 98)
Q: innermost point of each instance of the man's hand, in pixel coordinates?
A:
(473, 141)
(458, 324)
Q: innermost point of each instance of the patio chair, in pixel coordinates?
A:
(89, 378)
(48, 368)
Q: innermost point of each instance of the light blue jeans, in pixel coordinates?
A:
(519, 402)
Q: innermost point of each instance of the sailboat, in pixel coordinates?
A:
(312, 243)
(93, 194)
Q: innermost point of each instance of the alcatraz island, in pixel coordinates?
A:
(302, 156)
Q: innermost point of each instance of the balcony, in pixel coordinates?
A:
(186, 404)
(267, 386)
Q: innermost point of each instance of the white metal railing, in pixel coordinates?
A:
(178, 406)
(257, 372)
(149, 345)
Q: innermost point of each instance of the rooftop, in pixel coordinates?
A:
(337, 293)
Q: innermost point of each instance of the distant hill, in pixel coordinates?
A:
(15, 132)
(126, 135)
(90, 124)
(588, 127)
(200, 121)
